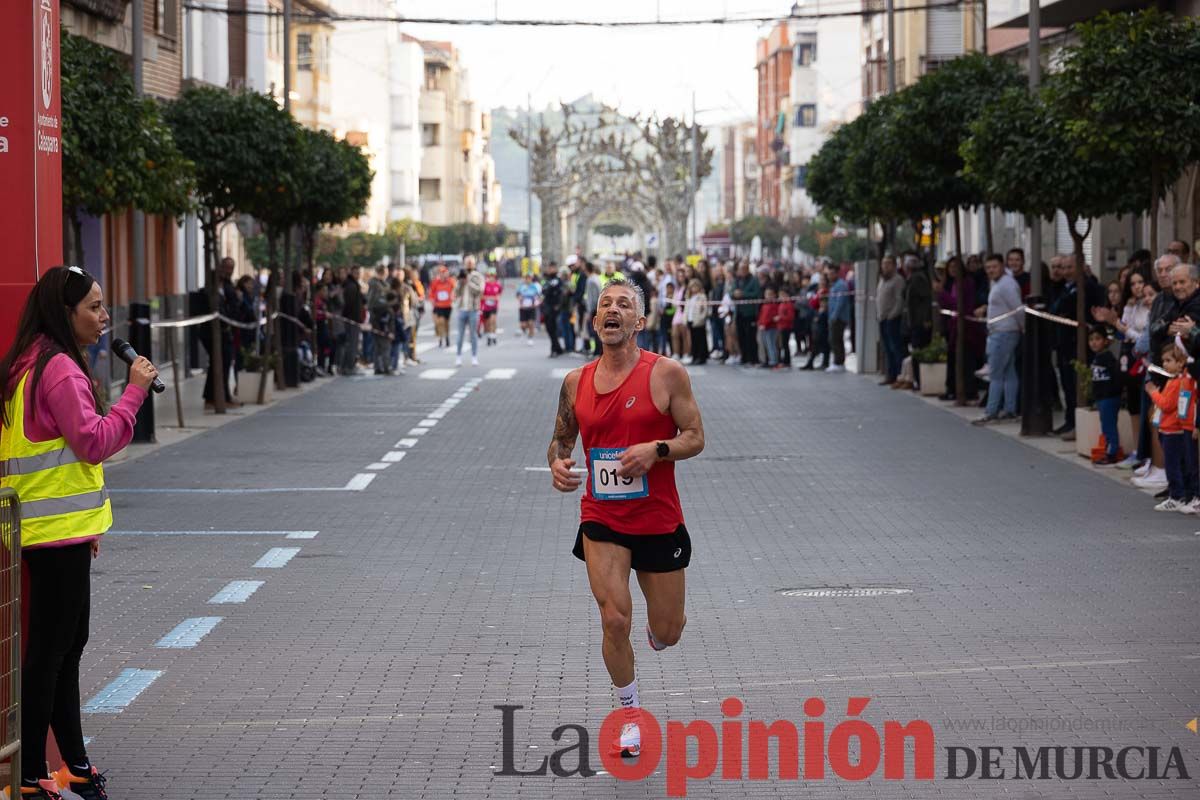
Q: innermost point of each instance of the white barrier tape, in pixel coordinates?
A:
(300, 324)
(986, 320)
(1052, 317)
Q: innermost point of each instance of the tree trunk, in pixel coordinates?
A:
(987, 230)
(551, 230)
(217, 363)
(960, 321)
(1155, 191)
(1081, 310)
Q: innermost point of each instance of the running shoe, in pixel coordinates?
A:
(629, 743)
(46, 789)
(90, 787)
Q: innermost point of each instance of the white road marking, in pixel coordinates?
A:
(116, 697)
(276, 557)
(418, 431)
(435, 374)
(378, 465)
(359, 482)
(500, 374)
(405, 443)
(188, 633)
(393, 456)
(427, 423)
(236, 592)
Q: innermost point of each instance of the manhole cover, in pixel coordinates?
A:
(844, 591)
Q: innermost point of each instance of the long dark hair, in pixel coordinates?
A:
(47, 314)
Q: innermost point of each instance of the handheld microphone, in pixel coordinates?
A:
(124, 351)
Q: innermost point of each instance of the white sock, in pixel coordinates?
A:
(628, 696)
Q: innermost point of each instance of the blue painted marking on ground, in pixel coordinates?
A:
(236, 592)
(276, 557)
(188, 633)
(114, 698)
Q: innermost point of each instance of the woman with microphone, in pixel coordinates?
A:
(54, 436)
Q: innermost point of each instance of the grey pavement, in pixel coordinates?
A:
(1049, 606)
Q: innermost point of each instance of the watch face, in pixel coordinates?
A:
(663, 450)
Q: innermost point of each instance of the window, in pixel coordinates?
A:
(430, 134)
(431, 190)
(806, 116)
(806, 54)
(304, 52)
(401, 188)
(166, 17)
(800, 176)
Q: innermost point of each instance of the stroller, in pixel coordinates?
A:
(308, 365)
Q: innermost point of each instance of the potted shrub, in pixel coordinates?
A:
(1087, 418)
(932, 370)
(253, 362)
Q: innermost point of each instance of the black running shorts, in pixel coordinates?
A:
(444, 313)
(488, 313)
(526, 314)
(656, 552)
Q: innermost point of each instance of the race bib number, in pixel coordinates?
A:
(526, 302)
(606, 483)
(443, 295)
(1185, 405)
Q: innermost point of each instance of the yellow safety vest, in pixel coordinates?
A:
(61, 496)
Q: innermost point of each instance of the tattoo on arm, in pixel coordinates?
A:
(566, 428)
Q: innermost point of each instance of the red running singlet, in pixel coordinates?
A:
(613, 421)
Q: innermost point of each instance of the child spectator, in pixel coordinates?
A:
(1176, 414)
(1106, 392)
(785, 318)
(768, 317)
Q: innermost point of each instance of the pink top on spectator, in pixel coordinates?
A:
(64, 407)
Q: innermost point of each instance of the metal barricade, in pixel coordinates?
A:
(10, 641)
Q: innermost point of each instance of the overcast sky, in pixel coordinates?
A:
(641, 69)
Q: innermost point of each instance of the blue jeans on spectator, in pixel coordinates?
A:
(771, 344)
(399, 344)
(368, 346)
(468, 318)
(893, 346)
(1180, 457)
(1110, 410)
(567, 330)
(717, 326)
(1002, 372)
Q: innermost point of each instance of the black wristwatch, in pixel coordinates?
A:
(663, 450)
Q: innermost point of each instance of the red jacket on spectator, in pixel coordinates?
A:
(766, 315)
(785, 316)
(1167, 401)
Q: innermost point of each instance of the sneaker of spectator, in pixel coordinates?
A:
(1131, 462)
(1170, 504)
(1144, 469)
(1156, 478)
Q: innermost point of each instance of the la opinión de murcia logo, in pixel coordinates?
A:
(852, 750)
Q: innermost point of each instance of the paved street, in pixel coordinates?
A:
(404, 603)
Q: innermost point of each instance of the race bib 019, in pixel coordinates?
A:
(606, 483)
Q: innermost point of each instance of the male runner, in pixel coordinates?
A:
(637, 416)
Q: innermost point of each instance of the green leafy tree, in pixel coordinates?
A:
(1021, 151)
(768, 229)
(333, 182)
(1129, 89)
(117, 152)
(243, 146)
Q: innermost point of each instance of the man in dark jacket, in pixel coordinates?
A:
(746, 287)
(352, 309)
(552, 298)
(1065, 306)
(918, 302)
(1182, 314)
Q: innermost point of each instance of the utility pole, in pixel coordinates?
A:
(1036, 385)
(139, 309)
(695, 177)
(891, 45)
(529, 177)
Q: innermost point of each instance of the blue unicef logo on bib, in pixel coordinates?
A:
(607, 484)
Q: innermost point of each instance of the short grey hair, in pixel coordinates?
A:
(1193, 271)
(631, 286)
(1170, 260)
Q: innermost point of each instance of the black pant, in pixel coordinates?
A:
(699, 339)
(747, 333)
(1067, 377)
(59, 606)
(226, 353)
(552, 331)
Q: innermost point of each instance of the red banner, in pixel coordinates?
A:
(30, 153)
